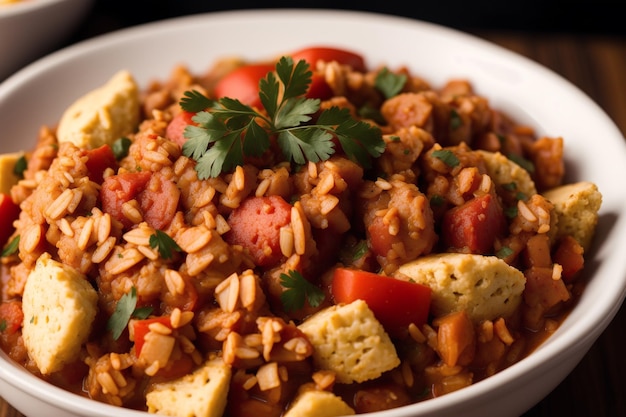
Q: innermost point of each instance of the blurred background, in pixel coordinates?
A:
(594, 17)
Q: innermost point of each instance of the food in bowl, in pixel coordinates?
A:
(284, 236)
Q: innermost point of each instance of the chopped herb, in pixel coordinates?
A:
(395, 138)
(510, 212)
(455, 120)
(298, 290)
(122, 314)
(228, 130)
(3, 325)
(372, 113)
(521, 196)
(523, 162)
(351, 253)
(12, 247)
(511, 186)
(501, 137)
(504, 252)
(389, 83)
(164, 243)
(20, 166)
(120, 148)
(142, 312)
(437, 200)
(447, 157)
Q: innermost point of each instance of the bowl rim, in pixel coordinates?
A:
(578, 337)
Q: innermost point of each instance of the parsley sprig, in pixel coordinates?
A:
(298, 290)
(227, 130)
(164, 244)
(126, 308)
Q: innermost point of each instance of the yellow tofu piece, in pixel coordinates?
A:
(200, 394)
(103, 115)
(577, 206)
(59, 306)
(485, 287)
(351, 342)
(7, 176)
(503, 171)
(319, 404)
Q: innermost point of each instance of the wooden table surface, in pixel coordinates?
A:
(597, 65)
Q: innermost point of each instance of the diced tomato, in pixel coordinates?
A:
(119, 189)
(474, 225)
(11, 317)
(98, 160)
(243, 84)
(142, 327)
(9, 211)
(395, 303)
(256, 224)
(328, 54)
(319, 88)
(176, 128)
(569, 254)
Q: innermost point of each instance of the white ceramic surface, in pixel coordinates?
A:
(32, 28)
(595, 150)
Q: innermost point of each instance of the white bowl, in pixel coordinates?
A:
(31, 28)
(595, 151)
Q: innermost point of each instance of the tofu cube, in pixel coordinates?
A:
(351, 342)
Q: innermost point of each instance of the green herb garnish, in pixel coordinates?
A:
(523, 162)
(447, 157)
(504, 252)
(12, 247)
(120, 148)
(228, 130)
(298, 290)
(20, 166)
(3, 325)
(164, 244)
(455, 120)
(389, 83)
(122, 314)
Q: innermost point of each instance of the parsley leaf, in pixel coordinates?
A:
(3, 325)
(227, 130)
(123, 311)
(298, 290)
(164, 243)
(388, 83)
(120, 148)
(12, 247)
(447, 157)
(20, 166)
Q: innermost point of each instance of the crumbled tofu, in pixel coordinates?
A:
(503, 171)
(314, 403)
(576, 206)
(351, 342)
(485, 287)
(59, 307)
(201, 394)
(7, 174)
(102, 115)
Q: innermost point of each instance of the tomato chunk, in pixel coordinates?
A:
(9, 211)
(11, 317)
(98, 160)
(569, 254)
(395, 303)
(243, 84)
(474, 225)
(256, 224)
(142, 327)
(327, 54)
(119, 189)
(176, 128)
